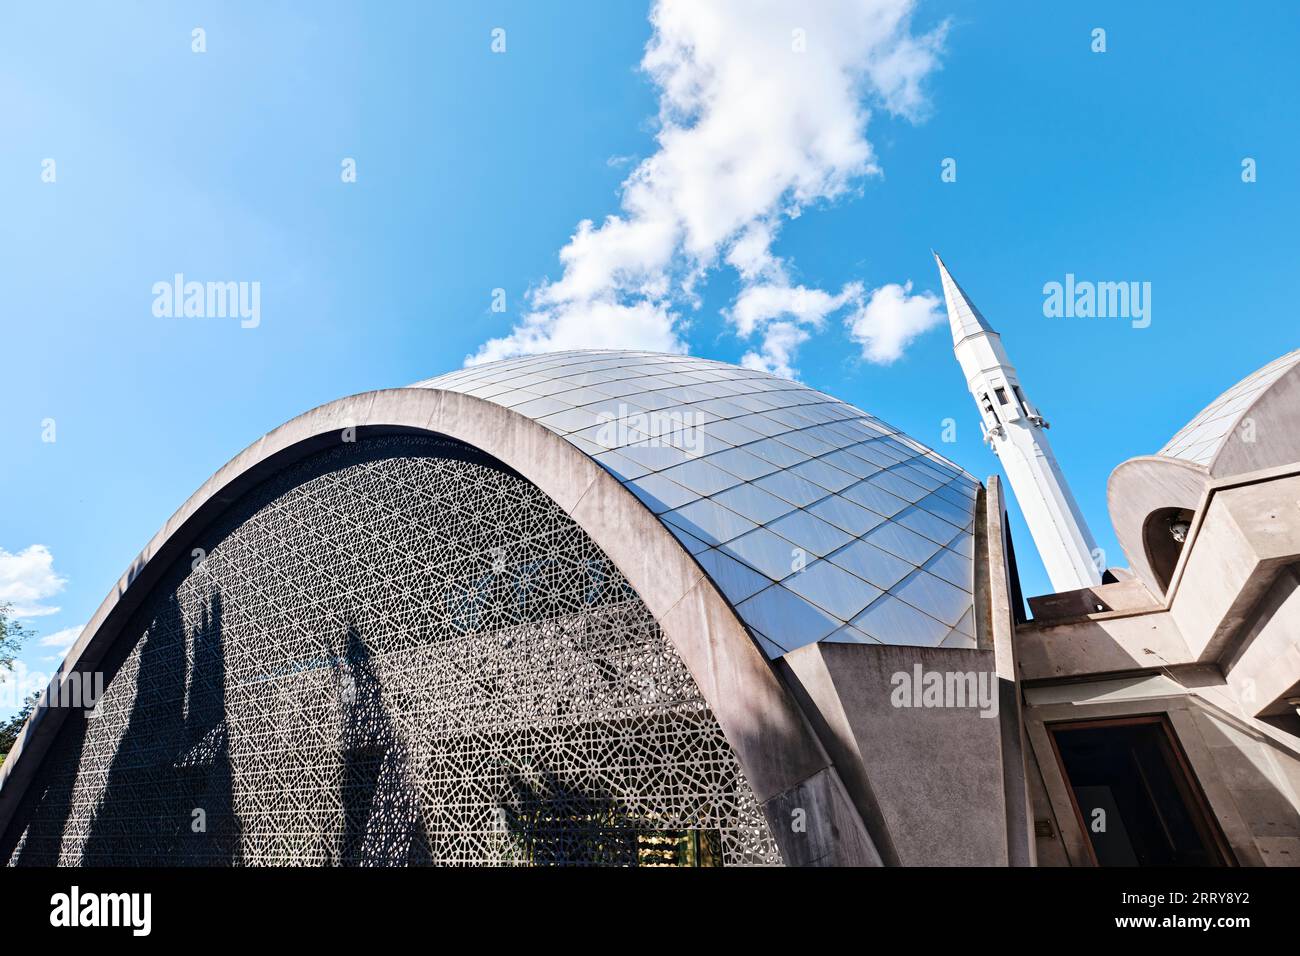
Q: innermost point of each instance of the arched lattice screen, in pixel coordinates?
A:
(395, 652)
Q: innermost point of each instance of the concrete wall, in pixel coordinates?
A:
(1263, 670)
(1140, 486)
(1049, 844)
(928, 780)
(993, 591)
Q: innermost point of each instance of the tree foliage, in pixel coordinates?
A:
(10, 728)
(12, 635)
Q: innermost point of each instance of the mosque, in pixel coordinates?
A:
(637, 609)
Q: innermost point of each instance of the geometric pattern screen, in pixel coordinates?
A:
(396, 652)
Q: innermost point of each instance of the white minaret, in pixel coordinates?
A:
(1016, 431)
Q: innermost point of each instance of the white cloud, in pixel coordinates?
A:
(28, 579)
(602, 324)
(891, 317)
(780, 340)
(785, 315)
(751, 132)
(62, 640)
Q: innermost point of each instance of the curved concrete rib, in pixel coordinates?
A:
(1145, 484)
(782, 757)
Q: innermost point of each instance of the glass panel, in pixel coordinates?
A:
(761, 549)
(570, 420)
(733, 579)
(761, 424)
(961, 517)
(709, 522)
(829, 477)
(580, 396)
(624, 387)
(924, 523)
(701, 477)
(695, 442)
(869, 453)
(691, 543)
(754, 503)
(963, 543)
(832, 589)
(731, 432)
(917, 476)
(906, 544)
(843, 513)
(953, 568)
(897, 485)
(741, 464)
(806, 443)
(792, 488)
(622, 468)
(723, 408)
(966, 625)
(540, 407)
(878, 500)
(659, 494)
(851, 464)
(848, 634)
(654, 455)
(786, 618)
(772, 650)
(809, 532)
(769, 449)
(937, 597)
(872, 564)
(890, 621)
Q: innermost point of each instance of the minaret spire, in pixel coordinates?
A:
(1017, 433)
(964, 318)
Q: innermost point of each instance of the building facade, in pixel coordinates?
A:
(623, 608)
(1188, 659)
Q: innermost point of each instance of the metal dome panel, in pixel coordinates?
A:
(816, 520)
(1201, 439)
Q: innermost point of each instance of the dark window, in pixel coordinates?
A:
(1162, 547)
(1134, 794)
(1002, 395)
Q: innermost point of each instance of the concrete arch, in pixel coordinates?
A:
(1257, 435)
(1139, 488)
(783, 759)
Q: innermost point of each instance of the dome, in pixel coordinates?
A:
(536, 551)
(816, 520)
(1208, 436)
(1250, 427)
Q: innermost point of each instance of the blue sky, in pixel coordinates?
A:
(474, 169)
